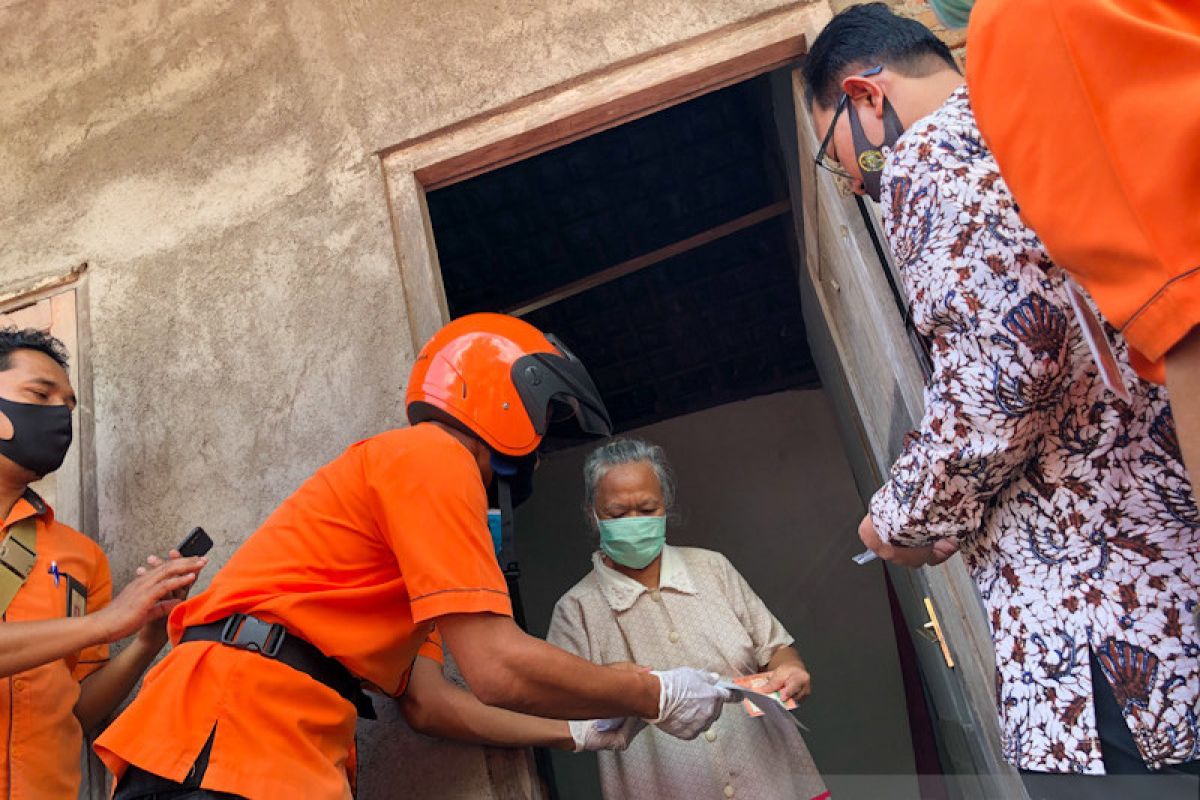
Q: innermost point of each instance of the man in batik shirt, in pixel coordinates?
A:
(1070, 506)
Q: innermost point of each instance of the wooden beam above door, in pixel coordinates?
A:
(641, 262)
(625, 109)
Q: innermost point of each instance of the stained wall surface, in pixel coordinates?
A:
(214, 163)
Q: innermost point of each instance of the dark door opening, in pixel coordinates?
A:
(663, 253)
(717, 322)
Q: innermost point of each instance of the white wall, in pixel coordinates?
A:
(767, 483)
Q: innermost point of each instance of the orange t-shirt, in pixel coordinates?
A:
(37, 717)
(359, 561)
(1092, 110)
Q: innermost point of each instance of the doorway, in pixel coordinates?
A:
(663, 253)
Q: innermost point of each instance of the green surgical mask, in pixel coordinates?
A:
(633, 541)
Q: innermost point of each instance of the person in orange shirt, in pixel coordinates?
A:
(344, 581)
(55, 589)
(1092, 110)
(434, 706)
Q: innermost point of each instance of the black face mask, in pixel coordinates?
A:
(870, 156)
(41, 435)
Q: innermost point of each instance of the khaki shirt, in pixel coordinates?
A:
(704, 615)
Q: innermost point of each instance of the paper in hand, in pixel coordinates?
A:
(770, 707)
(756, 683)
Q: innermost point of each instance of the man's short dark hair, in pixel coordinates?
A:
(865, 36)
(13, 339)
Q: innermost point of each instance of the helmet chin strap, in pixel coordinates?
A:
(508, 543)
(508, 549)
(512, 484)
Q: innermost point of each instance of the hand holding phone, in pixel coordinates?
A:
(195, 544)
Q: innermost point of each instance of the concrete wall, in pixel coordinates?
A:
(767, 483)
(213, 163)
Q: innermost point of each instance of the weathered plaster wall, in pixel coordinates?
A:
(213, 161)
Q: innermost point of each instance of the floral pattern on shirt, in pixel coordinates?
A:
(1072, 507)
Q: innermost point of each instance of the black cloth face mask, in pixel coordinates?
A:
(41, 435)
(870, 156)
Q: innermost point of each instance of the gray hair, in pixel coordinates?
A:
(625, 451)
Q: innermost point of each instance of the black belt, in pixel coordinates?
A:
(272, 640)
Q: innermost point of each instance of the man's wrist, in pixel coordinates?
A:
(95, 629)
(565, 740)
(147, 644)
(152, 641)
(652, 694)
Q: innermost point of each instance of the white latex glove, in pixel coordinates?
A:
(689, 701)
(605, 734)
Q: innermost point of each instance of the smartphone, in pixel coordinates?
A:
(196, 543)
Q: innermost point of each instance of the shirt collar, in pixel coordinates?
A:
(30, 504)
(622, 591)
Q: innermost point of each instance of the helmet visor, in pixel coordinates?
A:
(557, 387)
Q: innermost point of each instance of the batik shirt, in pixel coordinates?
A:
(1072, 508)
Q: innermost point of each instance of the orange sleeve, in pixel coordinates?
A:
(99, 587)
(432, 648)
(434, 516)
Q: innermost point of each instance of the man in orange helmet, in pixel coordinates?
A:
(344, 582)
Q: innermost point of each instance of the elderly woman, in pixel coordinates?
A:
(661, 606)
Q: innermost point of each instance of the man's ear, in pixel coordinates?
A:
(483, 457)
(865, 93)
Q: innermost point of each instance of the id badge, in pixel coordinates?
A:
(76, 598)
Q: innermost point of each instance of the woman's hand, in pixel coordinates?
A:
(791, 680)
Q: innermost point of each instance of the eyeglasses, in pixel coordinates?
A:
(823, 159)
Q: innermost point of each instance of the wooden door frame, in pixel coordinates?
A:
(565, 113)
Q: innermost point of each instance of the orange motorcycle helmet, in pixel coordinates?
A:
(504, 381)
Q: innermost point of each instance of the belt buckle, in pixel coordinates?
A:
(245, 632)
